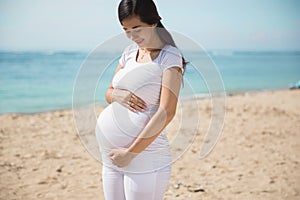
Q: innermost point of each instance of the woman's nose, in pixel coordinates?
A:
(133, 35)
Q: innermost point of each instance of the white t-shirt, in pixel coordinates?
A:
(118, 127)
(145, 79)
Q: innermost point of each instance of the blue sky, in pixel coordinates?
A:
(215, 24)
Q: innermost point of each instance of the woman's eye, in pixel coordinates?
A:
(137, 30)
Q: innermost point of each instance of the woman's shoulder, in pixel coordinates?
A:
(171, 56)
(169, 49)
(170, 52)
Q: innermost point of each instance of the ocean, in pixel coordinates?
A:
(33, 82)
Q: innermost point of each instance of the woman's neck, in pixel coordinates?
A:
(156, 45)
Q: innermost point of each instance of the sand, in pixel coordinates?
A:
(256, 157)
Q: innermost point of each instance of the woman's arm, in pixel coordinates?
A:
(110, 89)
(124, 97)
(168, 102)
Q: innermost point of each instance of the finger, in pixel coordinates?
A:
(116, 163)
(110, 154)
(132, 97)
(139, 107)
(138, 101)
(142, 105)
(136, 106)
(129, 104)
(130, 107)
(113, 162)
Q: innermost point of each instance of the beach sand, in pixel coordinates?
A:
(256, 157)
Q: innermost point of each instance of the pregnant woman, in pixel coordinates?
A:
(142, 101)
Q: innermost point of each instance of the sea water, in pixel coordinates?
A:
(41, 81)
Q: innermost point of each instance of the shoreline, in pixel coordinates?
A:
(197, 97)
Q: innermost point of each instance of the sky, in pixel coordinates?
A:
(215, 24)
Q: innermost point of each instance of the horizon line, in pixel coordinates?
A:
(115, 51)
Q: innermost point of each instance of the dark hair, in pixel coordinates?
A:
(147, 12)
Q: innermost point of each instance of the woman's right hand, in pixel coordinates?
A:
(129, 100)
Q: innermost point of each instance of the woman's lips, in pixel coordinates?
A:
(139, 41)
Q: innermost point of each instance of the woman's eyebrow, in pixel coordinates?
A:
(133, 27)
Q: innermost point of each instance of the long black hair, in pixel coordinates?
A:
(147, 12)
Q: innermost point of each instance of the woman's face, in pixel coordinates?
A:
(139, 32)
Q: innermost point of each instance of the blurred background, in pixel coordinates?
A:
(254, 44)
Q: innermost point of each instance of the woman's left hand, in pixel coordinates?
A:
(120, 157)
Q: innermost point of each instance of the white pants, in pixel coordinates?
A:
(118, 185)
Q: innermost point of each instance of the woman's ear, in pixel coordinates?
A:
(154, 25)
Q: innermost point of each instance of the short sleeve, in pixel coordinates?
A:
(128, 51)
(122, 59)
(172, 58)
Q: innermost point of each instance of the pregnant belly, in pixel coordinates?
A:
(117, 127)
